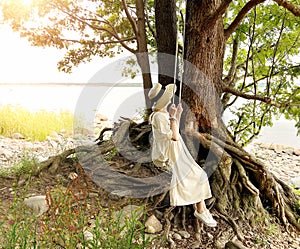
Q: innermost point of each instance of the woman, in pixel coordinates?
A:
(189, 184)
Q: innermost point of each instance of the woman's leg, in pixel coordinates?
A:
(202, 213)
(200, 207)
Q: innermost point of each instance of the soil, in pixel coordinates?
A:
(271, 235)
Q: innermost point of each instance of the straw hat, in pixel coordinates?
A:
(154, 91)
(165, 98)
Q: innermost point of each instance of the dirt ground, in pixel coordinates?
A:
(272, 236)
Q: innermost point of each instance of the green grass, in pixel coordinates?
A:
(33, 125)
(27, 165)
(67, 221)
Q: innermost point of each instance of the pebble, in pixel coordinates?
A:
(37, 203)
(13, 150)
(184, 234)
(283, 161)
(177, 236)
(153, 225)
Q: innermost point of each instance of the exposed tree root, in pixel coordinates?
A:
(254, 177)
(241, 184)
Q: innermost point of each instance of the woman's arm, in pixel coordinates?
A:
(179, 112)
(174, 122)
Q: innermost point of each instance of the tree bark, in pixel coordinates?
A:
(166, 31)
(238, 180)
(142, 54)
(205, 47)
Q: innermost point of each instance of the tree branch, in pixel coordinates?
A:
(131, 20)
(264, 99)
(232, 27)
(220, 10)
(100, 43)
(114, 33)
(289, 6)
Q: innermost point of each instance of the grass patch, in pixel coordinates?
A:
(71, 222)
(33, 125)
(27, 165)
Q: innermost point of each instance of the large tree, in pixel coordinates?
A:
(262, 41)
(233, 49)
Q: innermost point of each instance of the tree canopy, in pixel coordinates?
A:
(261, 64)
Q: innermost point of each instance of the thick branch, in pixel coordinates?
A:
(264, 99)
(131, 20)
(289, 6)
(220, 10)
(240, 16)
(114, 34)
(99, 42)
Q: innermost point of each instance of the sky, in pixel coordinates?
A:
(20, 62)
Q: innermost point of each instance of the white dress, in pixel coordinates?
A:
(189, 182)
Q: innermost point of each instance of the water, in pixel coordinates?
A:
(112, 101)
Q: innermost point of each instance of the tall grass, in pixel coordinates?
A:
(71, 222)
(33, 125)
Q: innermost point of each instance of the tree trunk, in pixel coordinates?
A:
(166, 31)
(205, 47)
(239, 181)
(142, 54)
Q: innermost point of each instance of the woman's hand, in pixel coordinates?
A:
(172, 111)
(179, 109)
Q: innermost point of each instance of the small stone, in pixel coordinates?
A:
(184, 234)
(152, 221)
(100, 117)
(37, 203)
(88, 236)
(93, 195)
(296, 182)
(159, 214)
(17, 135)
(128, 212)
(177, 236)
(297, 152)
(150, 229)
(72, 176)
(288, 151)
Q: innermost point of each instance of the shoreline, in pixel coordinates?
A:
(282, 160)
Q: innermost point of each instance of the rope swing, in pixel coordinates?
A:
(176, 55)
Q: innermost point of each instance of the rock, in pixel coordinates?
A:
(6, 153)
(150, 229)
(88, 236)
(17, 135)
(296, 182)
(177, 236)
(37, 203)
(235, 245)
(99, 117)
(297, 152)
(288, 151)
(184, 234)
(129, 212)
(72, 176)
(154, 223)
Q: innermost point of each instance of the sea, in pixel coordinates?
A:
(113, 100)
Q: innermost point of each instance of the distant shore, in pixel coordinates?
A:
(127, 99)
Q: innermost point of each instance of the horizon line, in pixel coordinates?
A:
(107, 84)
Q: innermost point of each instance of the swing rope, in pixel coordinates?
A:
(182, 58)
